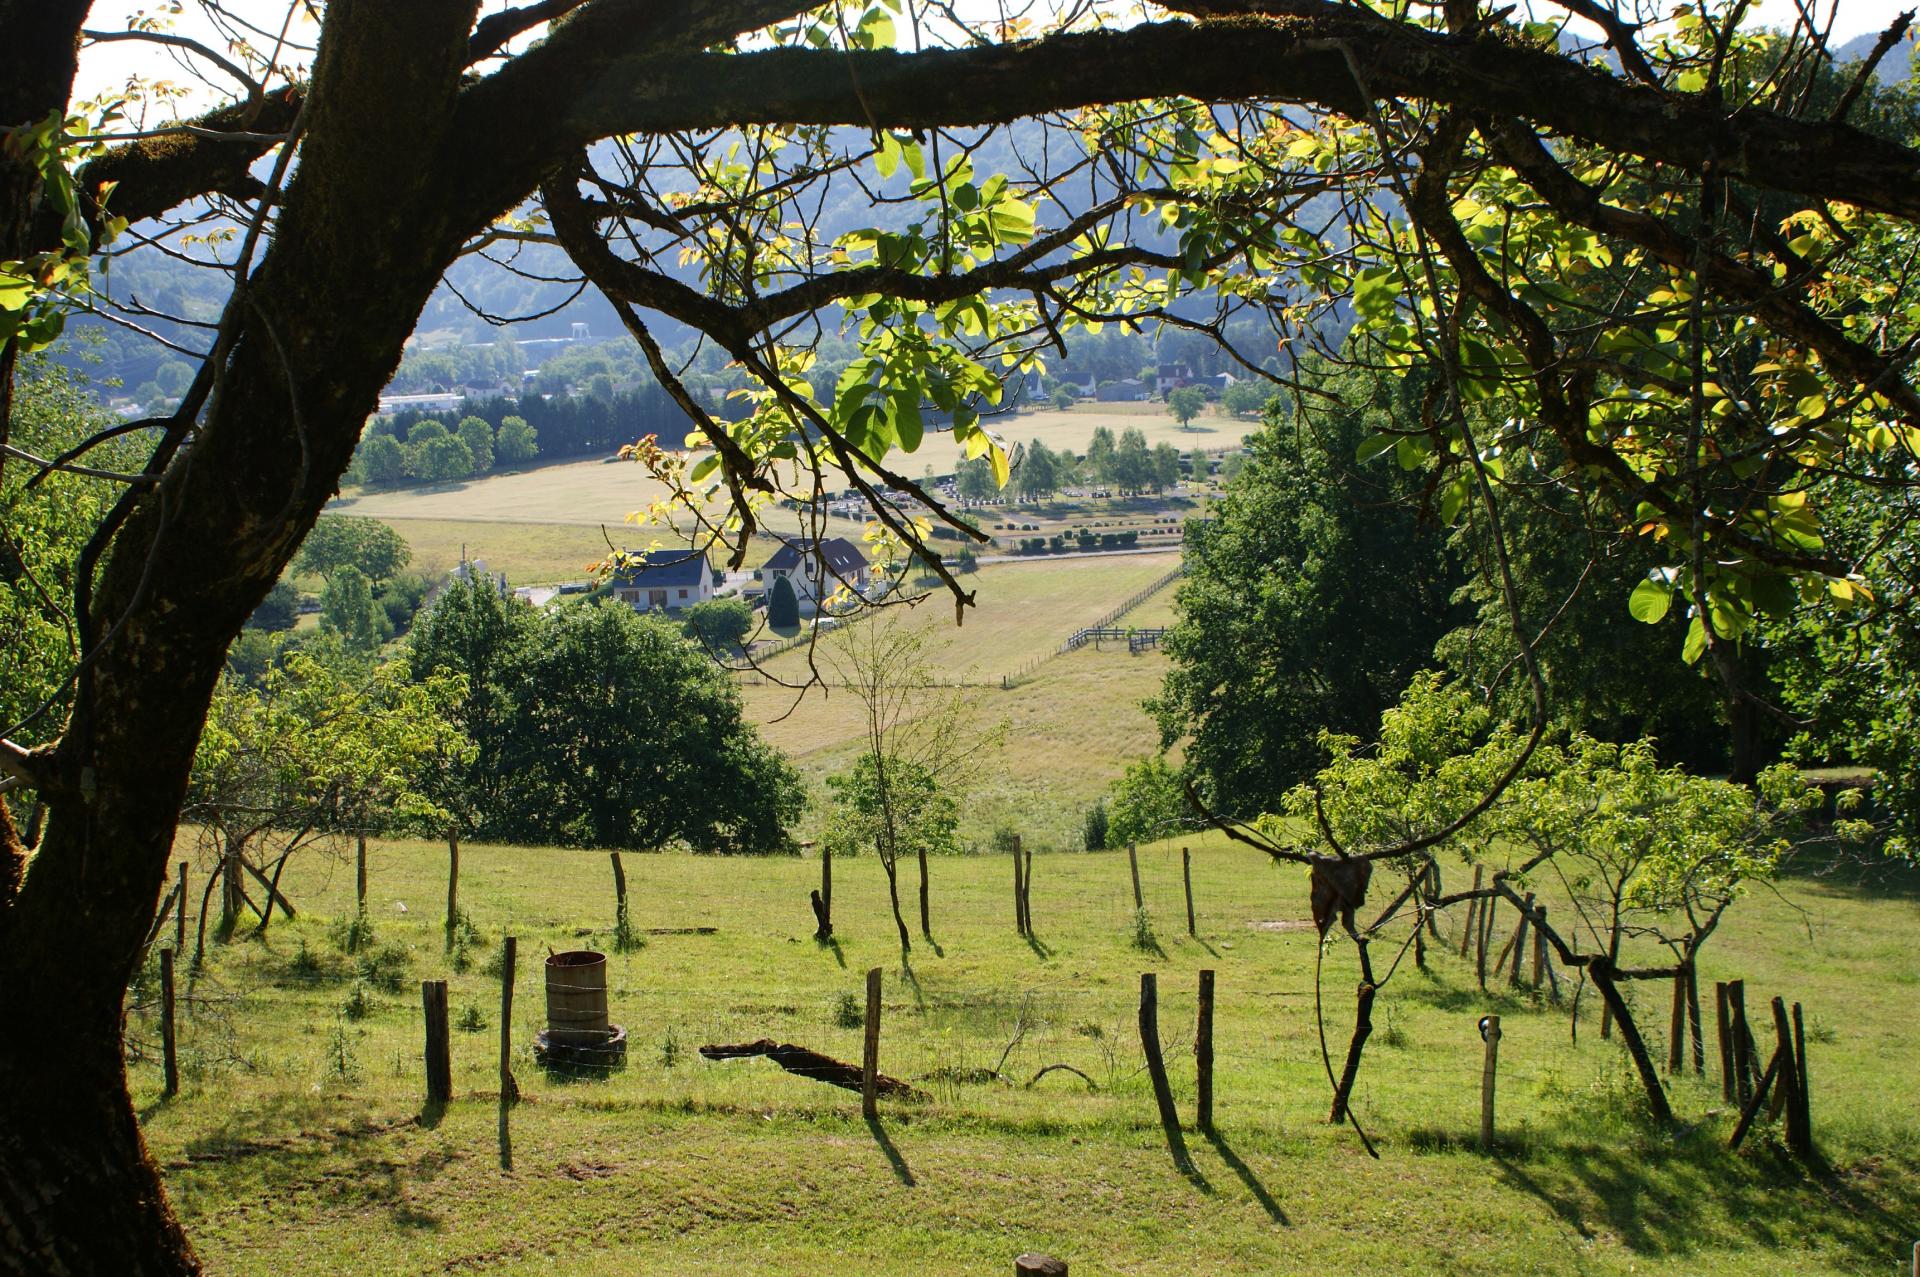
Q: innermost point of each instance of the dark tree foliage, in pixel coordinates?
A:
(597, 727)
(783, 607)
(1309, 601)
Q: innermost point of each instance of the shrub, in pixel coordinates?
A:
(386, 967)
(848, 1013)
(1094, 829)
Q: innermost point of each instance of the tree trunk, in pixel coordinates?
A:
(1602, 971)
(1362, 1030)
(926, 913)
(893, 893)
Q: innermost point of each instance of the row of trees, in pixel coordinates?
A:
(430, 452)
(1126, 464)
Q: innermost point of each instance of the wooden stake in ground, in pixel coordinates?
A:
(1490, 1031)
(1203, 1055)
(1019, 895)
(1186, 880)
(169, 1060)
(1026, 887)
(1471, 928)
(509, 1089)
(180, 919)
(1486, 931)
(453, 883)
(1743, 1065)
(1520, 941)
(1157, 1066)
(1133, 867)
(433, 1001)
(1723, 1022)
(1677, 1029)
(1540, 949)
(360, 871)
(870, 1059)
(1800, 1120)
(1693, 1016)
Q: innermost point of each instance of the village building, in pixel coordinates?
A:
(665, 580)
(816, 570)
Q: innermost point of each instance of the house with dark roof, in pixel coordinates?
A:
(671, 580)
(816, 570)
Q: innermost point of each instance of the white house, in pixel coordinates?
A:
(816, 570)
(670, 580)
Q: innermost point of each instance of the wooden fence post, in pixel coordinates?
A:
(870, 1059)
(1723, 1022)
(826, 886)
(1026, 890)
(1742, 1040)
(453, 882)
(1539, 949)
(1157, 1065)
(180, 919)
(1677, 1030)
(1470, 928)
(623, 936)
(1490, 1031)
(1019, 895)
(1486, 929)
(1133, 866)
(1203, 1054)
(1186, 878)
(509, 1089)
(360, 871)
(1800, 1121)
(1787, 1099)
(1693, 1017)
(170, 1061)
(433, 1001)
(1520, 942)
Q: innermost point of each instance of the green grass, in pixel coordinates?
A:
(280, 1161)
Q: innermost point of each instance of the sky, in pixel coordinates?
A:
(104, 68)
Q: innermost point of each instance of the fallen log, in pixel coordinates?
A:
(810, 1064)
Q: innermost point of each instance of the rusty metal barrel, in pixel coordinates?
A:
(577, 998)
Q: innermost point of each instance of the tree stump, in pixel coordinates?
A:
(1034, 1264)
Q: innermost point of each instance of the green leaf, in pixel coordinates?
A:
(1373, 447)
(1650, 601)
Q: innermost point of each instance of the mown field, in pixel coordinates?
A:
(299, 1144)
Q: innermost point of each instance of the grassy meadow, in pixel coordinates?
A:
(299, 1131)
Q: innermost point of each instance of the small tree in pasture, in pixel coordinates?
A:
(1186, 403)
(783, 606)
(1147, 804)
(922, 751)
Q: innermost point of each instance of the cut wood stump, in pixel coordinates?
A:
(810, 1064)
(1034, 1264)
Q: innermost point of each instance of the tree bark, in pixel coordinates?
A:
(926, 913)
(1601, 969)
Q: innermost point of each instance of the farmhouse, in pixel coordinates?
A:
(668, 579)
(816, 569)
(1172, 376)
(1131, 390)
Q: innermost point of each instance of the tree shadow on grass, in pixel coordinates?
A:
(1039, 947)
(1260, 1194)
(1675, 1197)
(901, 1170)
(833, 946)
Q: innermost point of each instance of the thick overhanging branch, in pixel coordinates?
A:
(1307, 55)
(20, 767)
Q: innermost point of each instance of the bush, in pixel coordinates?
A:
(386, 967)
(848, 1013)
(1093, 832)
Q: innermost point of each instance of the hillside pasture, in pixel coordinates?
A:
(299, 1131)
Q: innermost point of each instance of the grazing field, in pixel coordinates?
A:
(300, 1132)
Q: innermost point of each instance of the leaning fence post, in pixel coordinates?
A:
(870, 1059)
(1133, 866)
(433, 1001)
(1490, 1033)
(1186, 878)
(1157, 1065)
(1677, 1028)
(1540, 948)
(1486, 935)
(509, 1089)
(1520, 941)
(1203, 1055)
(170, 1062)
